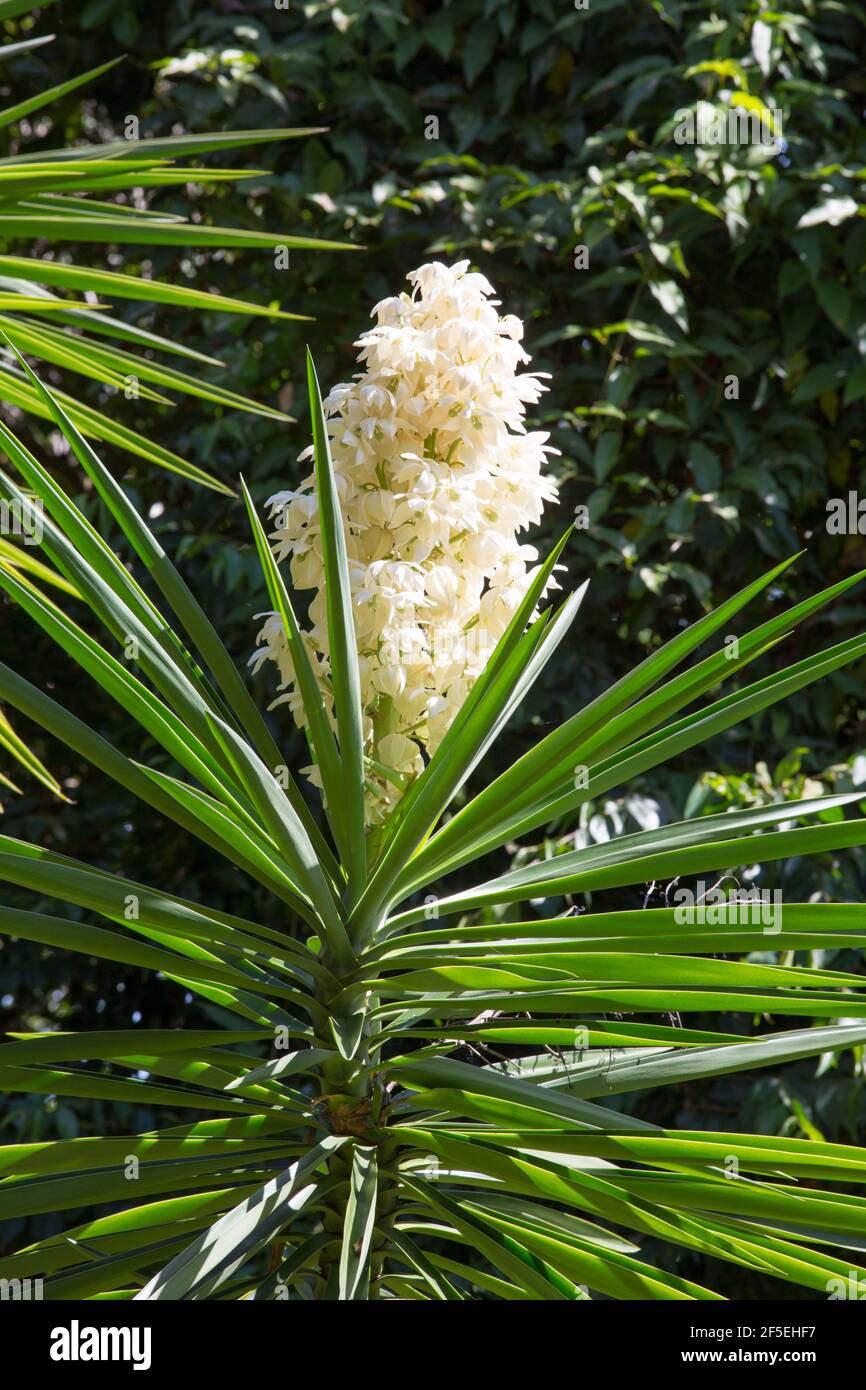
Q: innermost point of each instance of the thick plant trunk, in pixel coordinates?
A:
(346, 1107)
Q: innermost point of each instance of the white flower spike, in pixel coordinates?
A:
(436, 475)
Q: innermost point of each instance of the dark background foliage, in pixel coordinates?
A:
(513, 134)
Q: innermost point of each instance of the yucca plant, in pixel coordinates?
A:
(415, 1093)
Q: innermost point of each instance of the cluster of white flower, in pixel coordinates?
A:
(436, 476)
